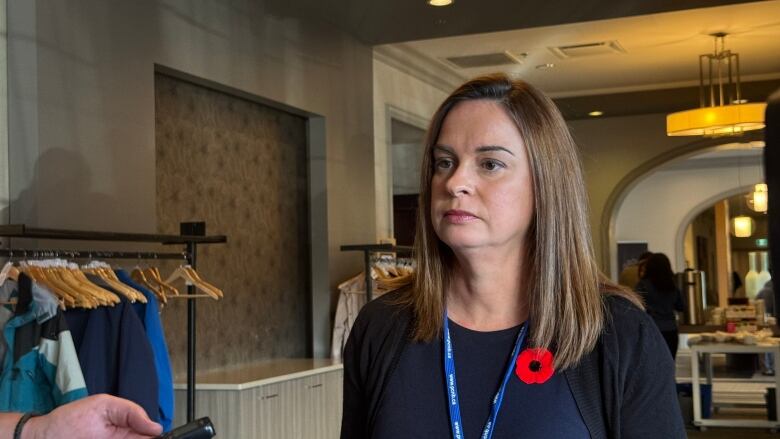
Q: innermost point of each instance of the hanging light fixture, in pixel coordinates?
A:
(742, 226)
(722, 110)
(757, 200)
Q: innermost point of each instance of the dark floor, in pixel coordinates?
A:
(731, 433)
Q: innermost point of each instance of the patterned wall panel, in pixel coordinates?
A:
(241, 167)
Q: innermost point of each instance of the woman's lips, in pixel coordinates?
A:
(459, 216)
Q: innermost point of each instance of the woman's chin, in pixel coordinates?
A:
(464, 243)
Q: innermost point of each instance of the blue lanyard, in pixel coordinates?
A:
(452, 386)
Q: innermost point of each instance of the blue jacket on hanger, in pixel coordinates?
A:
(156, 336)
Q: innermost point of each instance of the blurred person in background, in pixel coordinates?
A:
(662, 298)
(632, 274)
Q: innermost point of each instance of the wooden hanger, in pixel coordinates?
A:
(104, 296)
(105, 273)
(112, 275)
(195, 275)
(86, 296)
(182, 273)
(109, 277)
(47, 278)
(139, 277)
(73, 277)
(38, 274)
(78, 283)
(153, 274)
(94, 296)
(53, 269)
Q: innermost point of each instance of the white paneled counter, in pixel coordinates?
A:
(274, 399)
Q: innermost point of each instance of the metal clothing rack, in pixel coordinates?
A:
(192, 234)
(367, 250)
(86, 254)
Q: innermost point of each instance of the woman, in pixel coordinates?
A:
(662, 298)
(507, 328)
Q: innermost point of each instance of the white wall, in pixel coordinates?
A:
(615, 152)
(407, 98)
(656, 208)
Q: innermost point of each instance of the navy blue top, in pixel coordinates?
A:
(114, 353)
(415, 403)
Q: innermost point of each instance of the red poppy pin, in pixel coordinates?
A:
(535, 366)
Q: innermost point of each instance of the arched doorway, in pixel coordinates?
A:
(633, 179)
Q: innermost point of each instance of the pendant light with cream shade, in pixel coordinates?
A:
(757, 200)
(722, 110)
(742, 226)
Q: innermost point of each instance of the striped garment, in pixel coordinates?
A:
(41, 370)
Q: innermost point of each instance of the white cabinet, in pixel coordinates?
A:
(311, 411)
(315, 409)
(295, 407)
(334, 389)
(321, 404)
(267, 412)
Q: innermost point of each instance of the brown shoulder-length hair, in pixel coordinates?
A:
(565, 286)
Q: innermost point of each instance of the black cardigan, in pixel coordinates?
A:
(624, 388)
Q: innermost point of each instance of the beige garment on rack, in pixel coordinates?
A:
(352, 297)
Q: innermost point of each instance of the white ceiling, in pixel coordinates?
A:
(662, 49)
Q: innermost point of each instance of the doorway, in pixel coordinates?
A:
(406, 145)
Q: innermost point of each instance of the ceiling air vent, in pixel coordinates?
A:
(587, 49)
(486, 60)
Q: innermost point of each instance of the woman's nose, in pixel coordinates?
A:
(460, 182)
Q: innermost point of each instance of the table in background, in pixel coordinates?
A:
(707, 349)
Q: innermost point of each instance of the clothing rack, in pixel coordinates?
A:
(191, 234)
(86, 254)
(369, 249)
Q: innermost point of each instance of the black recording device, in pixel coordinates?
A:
(198, 429)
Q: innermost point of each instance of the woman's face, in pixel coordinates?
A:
(481, 191)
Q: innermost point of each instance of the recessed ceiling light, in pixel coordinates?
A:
(740, 101)
(596, 113)
(440, 2)
(549, 65)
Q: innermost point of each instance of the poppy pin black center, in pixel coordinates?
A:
(535, 366)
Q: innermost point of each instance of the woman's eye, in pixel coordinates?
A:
(443, 163)
(492, 165)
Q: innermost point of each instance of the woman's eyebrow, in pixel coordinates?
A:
(444, 148)
(488, 148)
(491, 148)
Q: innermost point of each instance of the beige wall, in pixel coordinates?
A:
(407, 98)
(3, 115)
(81, 101)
